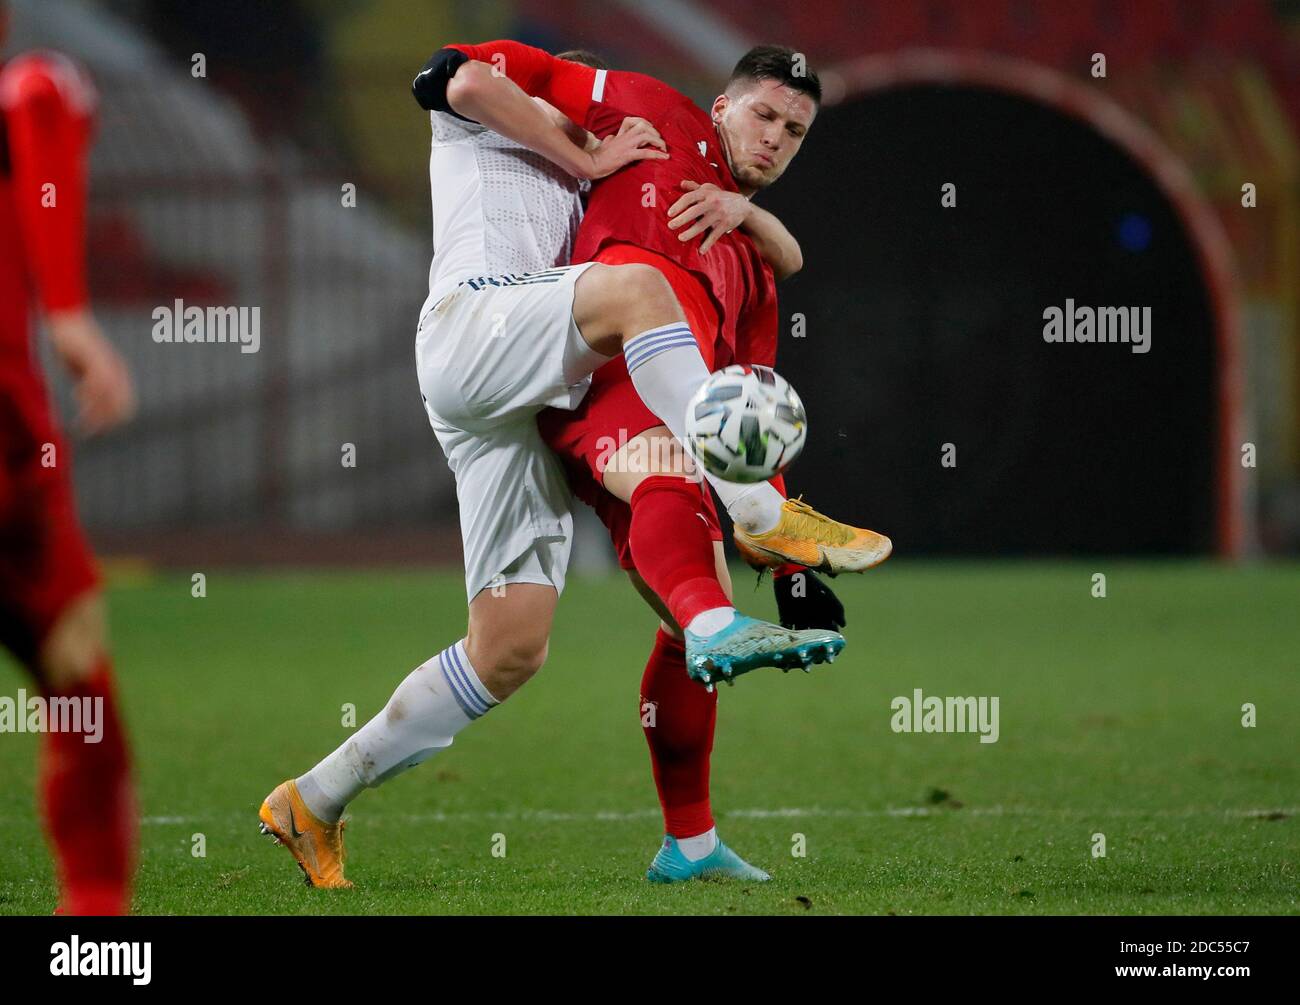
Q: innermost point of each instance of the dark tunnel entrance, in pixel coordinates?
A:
(924, 327)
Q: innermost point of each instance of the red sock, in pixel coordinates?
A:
(88, 803)
(681, 737)
(672, 548)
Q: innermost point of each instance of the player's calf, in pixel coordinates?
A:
(667, 622)
(506, 644)
(87, 797)
(509, 632)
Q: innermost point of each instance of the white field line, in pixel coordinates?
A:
(599, 816)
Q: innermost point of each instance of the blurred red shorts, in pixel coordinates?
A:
(613, 413)
(45, 563)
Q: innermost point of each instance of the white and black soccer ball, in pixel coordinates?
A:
(745, 424)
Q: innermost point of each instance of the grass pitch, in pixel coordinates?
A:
(1119, 717)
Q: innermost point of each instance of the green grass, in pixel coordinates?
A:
(1119, 716)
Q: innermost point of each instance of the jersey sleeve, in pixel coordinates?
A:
(570, 87)
(49, 181)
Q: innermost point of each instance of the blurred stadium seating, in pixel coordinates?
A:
(227, 189)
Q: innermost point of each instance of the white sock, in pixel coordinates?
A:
(435, 702)
(755, 508)
(713, 620)
(695, 848)
(667, 369)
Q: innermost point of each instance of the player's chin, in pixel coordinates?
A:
(759, 176)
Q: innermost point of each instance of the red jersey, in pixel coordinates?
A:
(46, 106)
(631, 205)
(46, 116)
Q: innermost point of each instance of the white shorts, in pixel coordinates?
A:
(490, 355)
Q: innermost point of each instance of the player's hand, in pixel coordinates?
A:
(713, 209)
(636, 140)
(804, 601)
(105, 394)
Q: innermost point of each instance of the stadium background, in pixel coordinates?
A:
(921, 325)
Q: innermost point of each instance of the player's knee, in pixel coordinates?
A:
(506, 662)
(527, 656)
(75, 644)
(647, 288)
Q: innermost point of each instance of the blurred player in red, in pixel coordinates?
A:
(51, 609)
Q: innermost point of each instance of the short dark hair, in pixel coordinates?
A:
(583, 56)
(781, 63)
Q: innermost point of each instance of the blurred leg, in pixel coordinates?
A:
(87, 797)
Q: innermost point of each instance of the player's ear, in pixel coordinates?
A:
(720, 104)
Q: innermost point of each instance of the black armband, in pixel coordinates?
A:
(430, 84)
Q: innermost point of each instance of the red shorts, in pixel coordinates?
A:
(613, 413)
(45, 563)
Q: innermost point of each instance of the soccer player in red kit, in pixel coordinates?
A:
(51, 609)
(727, 292)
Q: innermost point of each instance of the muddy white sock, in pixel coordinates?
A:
(435, 702)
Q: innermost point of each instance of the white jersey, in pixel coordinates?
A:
(497, 343)
(498, 208)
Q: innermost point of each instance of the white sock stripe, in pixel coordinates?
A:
(638, 354)
(671, 327)
(471, 675)
(635, 363)
(643, 343)
(457, 688)
(650, 335)
(467, 689)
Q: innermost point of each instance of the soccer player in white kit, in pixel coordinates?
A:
(508, 329)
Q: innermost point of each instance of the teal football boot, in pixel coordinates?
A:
(671, 866)
(747, 644)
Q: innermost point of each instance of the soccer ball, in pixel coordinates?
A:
(745, 424)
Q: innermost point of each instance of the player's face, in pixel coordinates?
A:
(762, 127)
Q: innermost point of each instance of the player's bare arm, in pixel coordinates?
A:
(587, 140)
(41, 115)
(476, 92)
(714, 212)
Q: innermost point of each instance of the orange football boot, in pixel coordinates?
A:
(316, 846)
(806, 537)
